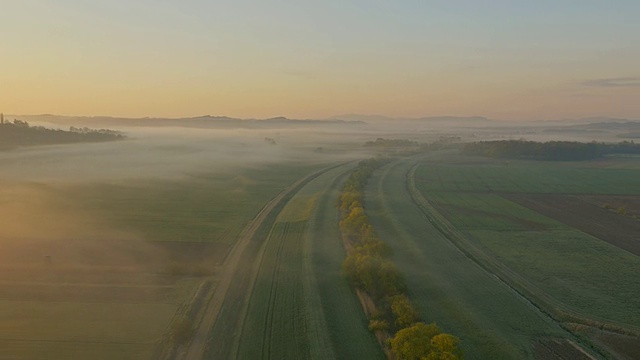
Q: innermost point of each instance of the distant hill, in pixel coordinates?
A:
(582, 121)
(481, 120)
(451, 120)
(629, 129)
(205, 122)
(626, 125)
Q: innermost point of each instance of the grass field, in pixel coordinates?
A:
(276, 325)
(72, 326)
(563, 261)
(452, 173)
(549, 228)
(107, 266)
(204, 207)
(448, 287)
(299, 306)
(339, 311)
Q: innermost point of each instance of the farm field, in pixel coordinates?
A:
(589, 215)
(452, 173)
(548, 223)
(449, 288)
(108, 266)
(285, 316)
(339, 307)
(249, 258)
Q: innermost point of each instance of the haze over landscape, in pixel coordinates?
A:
(407, 180)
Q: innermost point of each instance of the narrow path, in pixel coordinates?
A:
(197, 347)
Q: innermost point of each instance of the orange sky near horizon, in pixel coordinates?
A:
(512, 61)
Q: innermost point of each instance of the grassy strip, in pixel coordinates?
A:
(379, 284)
(345, 322)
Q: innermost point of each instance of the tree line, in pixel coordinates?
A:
(369, 268)
(20, 133)
(391, 143)
(550, 151)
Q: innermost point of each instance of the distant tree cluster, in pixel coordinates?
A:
(369, 268)
(391, 143)
(86, 130)
(425, 342)
(20, 133)
(443, 142)
(550, 151)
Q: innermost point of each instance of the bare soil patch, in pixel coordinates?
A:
(630, 204)
(618, 230)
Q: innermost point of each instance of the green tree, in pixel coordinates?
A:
(414, 342)
(444, 347)
(403, 311)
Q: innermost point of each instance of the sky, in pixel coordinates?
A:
(512, 60)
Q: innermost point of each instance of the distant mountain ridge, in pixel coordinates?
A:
(449, 118)
(432, 119)
(205, 122)
(348, 120)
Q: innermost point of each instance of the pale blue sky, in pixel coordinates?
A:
(506, 59)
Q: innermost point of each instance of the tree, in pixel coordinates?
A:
(414, 343)
(444, 347)
(403, 311)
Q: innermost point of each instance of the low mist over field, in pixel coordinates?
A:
(48, 192)
(211, 180)
(152, 152)
(185, 225)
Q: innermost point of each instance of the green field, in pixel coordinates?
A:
(111, 266)
(276, 326)
(452, 173)
(125, 257)
(38, 329)
(449, 288)
(585, 274)
(203, 207)
(339, 310)
(299, 305)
